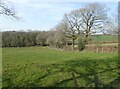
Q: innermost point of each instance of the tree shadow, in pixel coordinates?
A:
(92, 73)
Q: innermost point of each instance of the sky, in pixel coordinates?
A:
(44, 15)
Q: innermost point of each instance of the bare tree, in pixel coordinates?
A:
(41, 38)
(59, 36)
(50, 40)
(93, 16)
(112, 24)
(87, 20)
(7, 10)
(72, 22)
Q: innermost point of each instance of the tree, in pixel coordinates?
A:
(5, 39)
(59, 36)
(51, 37)
(41, 38)
(71, 24)
(7, 10)
(87, 20)
(112, 25)
(93, 17)
(30, 38)
(81, 43)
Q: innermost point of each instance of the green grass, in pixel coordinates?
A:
(104, 38)
(44, 67)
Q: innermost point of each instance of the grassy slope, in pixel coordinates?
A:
(38, 66)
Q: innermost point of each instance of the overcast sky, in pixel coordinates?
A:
(39, 15)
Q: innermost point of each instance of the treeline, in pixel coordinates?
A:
(32, 38)
(18, 39)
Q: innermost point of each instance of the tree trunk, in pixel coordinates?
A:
(73, 42)
(86, 38)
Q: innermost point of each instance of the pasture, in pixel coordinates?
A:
(45, 67)
(104, 38)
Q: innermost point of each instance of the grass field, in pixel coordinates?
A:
(44, 67)
(104, 38)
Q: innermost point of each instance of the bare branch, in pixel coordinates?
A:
(6, 10)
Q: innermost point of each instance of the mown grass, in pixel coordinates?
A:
(44, 67)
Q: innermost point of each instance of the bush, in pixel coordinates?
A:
(81, 44)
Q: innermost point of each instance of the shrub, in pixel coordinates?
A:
(81, 44)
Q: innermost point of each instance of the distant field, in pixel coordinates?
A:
(104, 38)
(103, 44)
(44, 67)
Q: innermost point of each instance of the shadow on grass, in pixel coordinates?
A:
(94, 72)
